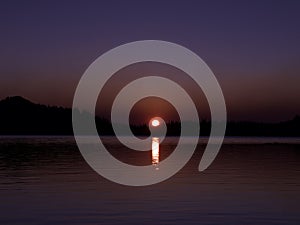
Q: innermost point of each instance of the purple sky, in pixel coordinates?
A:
(252, 47)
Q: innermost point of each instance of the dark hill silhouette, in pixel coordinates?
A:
(19, 116)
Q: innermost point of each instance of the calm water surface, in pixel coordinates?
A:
(45, 180)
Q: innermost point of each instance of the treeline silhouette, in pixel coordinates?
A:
(19, 116)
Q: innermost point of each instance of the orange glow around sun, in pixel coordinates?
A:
(155, 123)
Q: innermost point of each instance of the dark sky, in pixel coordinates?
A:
(252, 47)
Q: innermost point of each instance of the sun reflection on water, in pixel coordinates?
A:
(155, 151)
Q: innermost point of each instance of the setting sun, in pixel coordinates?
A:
(155, 123)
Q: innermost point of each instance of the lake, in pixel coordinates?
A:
(45, 180)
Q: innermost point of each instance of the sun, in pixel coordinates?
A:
(155, 123)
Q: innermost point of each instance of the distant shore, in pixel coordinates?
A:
(19, 116)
